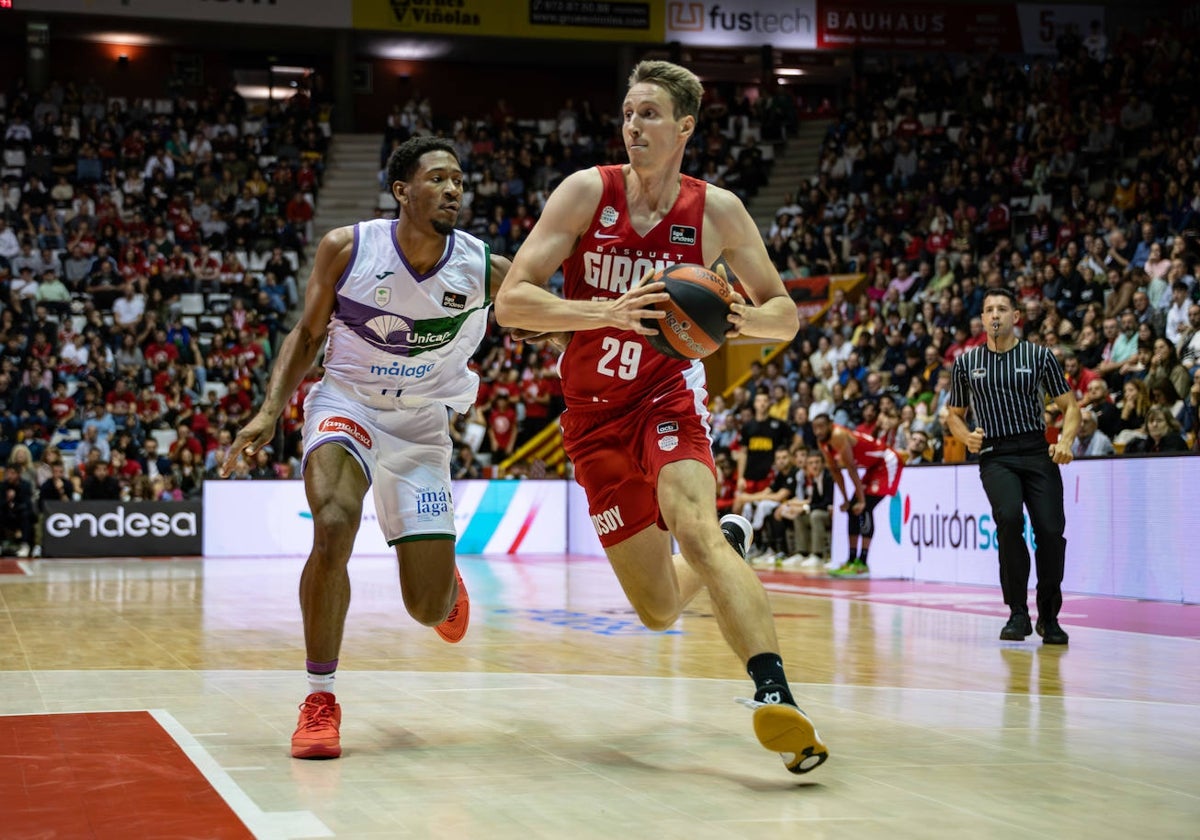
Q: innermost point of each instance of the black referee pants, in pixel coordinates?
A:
(1027, 477)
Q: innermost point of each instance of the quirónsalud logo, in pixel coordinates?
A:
(946, 529)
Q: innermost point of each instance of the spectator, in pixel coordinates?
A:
(1098, 401)
(502, 428)
(1189, 339)
(1176, 321)
(810, 512)
(759, 507)
(1164, 366)
(464, 465)
(57, 487)
(1091, 442)
(261, 468)
(16, 512)
(1162, 435)
(92, 441)
(100, 485)
(919, 450)
(189, 474)
(154, 465)
(127, 309)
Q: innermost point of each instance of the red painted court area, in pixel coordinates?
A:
(104, 775)
(1125, 614)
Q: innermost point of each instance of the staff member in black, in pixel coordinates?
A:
(1005, 381)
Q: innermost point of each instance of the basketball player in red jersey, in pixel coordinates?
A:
(849, 449)
(636, 425)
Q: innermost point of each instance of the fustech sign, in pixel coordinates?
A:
(784, 24)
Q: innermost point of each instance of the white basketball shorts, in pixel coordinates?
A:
(404, 451)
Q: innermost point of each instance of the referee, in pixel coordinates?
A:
(1006, 381)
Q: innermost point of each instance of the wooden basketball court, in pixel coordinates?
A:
(155, 698)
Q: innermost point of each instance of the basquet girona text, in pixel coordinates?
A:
(614, 269)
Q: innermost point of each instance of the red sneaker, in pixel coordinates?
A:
(454, 627)
(316, 734)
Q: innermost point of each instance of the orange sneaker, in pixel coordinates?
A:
(454, 627)
(316, 734)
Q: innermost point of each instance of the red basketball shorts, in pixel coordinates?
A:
(882, 478)
(757, 485)
(618, 454)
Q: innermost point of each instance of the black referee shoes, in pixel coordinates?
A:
(1018, 627)
(1052, 632)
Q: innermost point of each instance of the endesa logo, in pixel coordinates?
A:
(942, 529)
(118, 524)
(346, 426)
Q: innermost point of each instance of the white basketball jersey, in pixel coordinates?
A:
(399, 334)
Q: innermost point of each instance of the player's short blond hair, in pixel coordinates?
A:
(681, 84)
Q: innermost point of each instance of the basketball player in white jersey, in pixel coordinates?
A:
(636, 426)
(404, 305)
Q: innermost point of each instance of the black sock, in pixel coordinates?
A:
(766, 669)
(862, 556)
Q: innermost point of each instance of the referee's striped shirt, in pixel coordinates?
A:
(1007, 391)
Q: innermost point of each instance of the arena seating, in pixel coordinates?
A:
(155, 242)
(954, 173)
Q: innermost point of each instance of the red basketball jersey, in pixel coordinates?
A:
(868, 452)
(883, 464)
(612, 366)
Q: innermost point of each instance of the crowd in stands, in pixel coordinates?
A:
(149, 252)
(1075, 182)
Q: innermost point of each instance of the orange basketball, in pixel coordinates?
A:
(697, 312)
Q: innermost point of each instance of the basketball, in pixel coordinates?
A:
(696, 313)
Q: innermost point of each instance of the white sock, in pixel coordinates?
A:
(320, 682)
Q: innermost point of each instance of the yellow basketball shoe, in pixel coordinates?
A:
(785, 729)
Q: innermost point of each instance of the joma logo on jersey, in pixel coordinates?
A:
(618, 272)
(432, 504)
(608, 521)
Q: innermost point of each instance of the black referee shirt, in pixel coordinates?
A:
(1007, 391)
